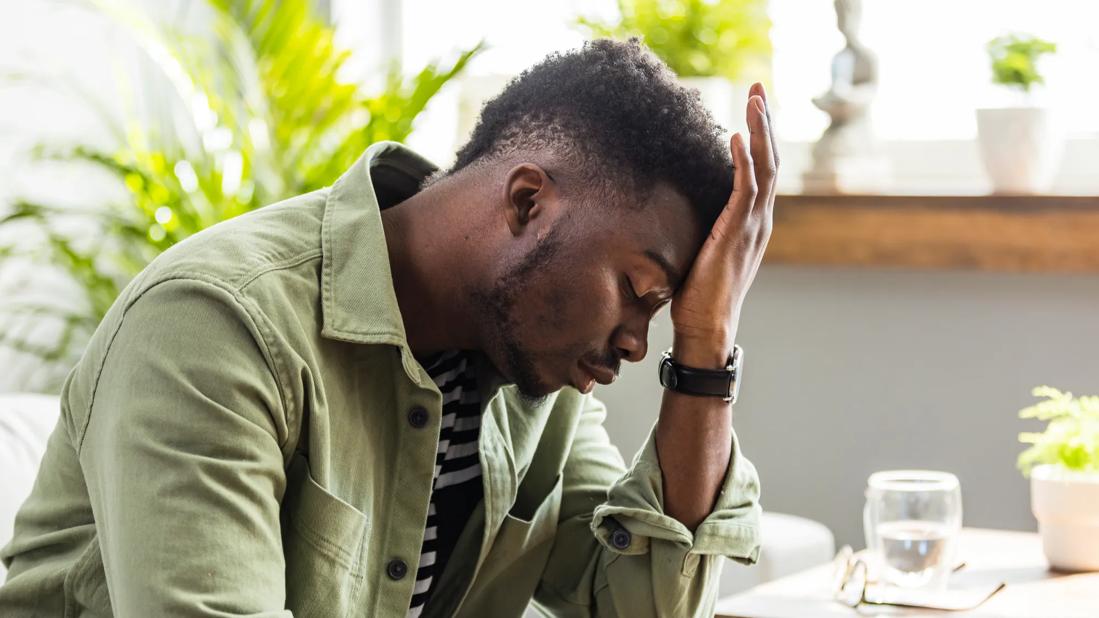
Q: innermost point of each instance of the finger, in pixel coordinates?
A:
(744, 180)
(762, 149)
(740, 201)
(758, 90)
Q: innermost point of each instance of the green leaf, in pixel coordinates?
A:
(1015, 59)
(696, 38)
(1071, 437)
(257, 113)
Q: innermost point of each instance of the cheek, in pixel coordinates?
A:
(576, 311)
(556, 310)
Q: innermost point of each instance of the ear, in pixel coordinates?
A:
(527, 190)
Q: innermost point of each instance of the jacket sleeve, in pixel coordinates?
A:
(181, 453)
(618, 554)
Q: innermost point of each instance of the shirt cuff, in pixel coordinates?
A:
(633, 515)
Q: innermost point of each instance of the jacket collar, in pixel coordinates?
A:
(359, 305)
(358, 302)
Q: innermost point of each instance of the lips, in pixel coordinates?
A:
(585, 384)
(602, 375)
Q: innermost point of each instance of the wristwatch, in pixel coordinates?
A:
(724, 383)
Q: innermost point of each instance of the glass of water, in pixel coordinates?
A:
(911, 520)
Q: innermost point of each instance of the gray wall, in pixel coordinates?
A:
(851, 371)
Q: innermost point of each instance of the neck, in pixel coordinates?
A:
(433, 264)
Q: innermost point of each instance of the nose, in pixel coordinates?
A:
(632, 340)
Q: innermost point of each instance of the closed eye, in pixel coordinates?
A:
(628, 290)
(631, 294)
(660, 305)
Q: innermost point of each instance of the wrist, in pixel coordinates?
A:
(703, 352)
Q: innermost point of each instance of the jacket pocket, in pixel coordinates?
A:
(514, 565)
(322, 538)
(526, 532)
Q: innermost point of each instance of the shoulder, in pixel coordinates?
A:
(233, 253)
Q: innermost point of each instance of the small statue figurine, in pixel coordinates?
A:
(844, 158)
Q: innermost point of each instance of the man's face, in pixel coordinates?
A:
(579, 299)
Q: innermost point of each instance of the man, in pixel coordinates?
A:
(374, 399)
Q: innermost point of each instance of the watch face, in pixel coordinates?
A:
(738, 375)
(667, 374)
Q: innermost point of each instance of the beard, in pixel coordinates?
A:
(499, 303)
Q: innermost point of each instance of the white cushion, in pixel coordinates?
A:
(790, 544)
(26, 422)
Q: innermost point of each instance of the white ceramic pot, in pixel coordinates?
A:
(1020, 146)
(1066, 505)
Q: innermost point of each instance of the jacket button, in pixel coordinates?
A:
(417, 417)
(396, 569)
(621, 538)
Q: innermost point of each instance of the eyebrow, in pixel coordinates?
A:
(673, 276)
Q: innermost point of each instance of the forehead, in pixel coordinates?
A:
(662, 223)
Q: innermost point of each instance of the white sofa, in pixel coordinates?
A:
(25, 423)
(790, 543)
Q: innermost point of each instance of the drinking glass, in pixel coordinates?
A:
(911, 520)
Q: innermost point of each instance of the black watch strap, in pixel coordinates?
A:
(724, 383)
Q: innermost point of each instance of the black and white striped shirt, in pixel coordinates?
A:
(457, 485)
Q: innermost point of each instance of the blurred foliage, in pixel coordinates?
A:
(1071, 439)
(260, 114)
(696, 38)
(1015, 60)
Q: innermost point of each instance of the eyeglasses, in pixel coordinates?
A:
(850, 576)
(853, 584)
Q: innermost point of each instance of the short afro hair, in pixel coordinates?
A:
(620, 115)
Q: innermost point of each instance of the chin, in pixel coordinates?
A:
(534, 388)
(534, 400)
(531, 378)
(530, 381)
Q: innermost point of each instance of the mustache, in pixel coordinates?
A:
(611, 360)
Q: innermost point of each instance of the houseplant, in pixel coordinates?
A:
(715, 46)
(250, 113)
(1063, 465)
(1019, 142)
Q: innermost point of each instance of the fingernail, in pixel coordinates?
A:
(758, 100)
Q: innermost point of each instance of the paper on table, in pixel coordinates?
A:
(951, 599)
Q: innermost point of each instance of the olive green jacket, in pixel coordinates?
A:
(237, 441)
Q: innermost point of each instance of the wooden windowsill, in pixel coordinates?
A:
(1032, 233)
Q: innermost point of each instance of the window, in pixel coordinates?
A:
(933, 72)
(933, 65)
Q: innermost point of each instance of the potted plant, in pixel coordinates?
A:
(1063, 465)
(717, 47)
(1019, 144)
(256, 113)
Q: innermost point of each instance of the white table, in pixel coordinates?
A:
(1014, 558)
